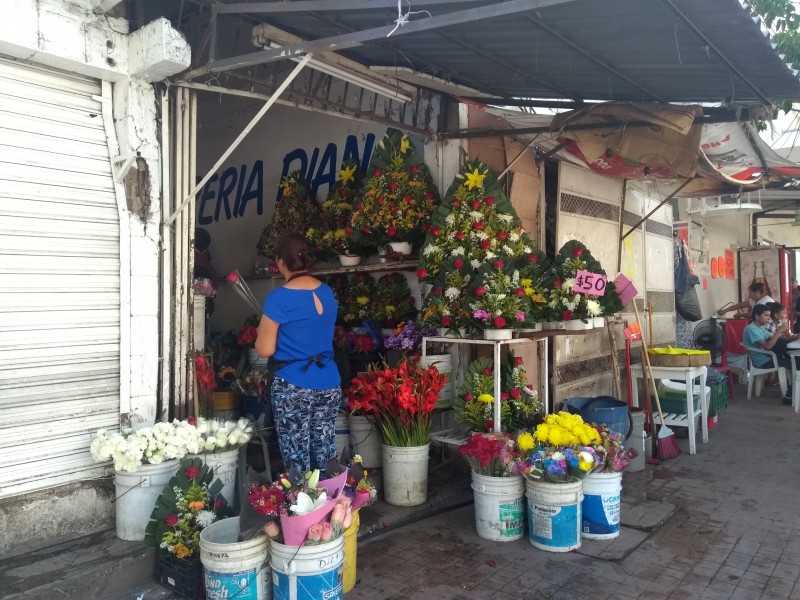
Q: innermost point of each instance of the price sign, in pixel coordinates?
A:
(590, 283)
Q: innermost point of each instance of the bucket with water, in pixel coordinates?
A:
(342, 434)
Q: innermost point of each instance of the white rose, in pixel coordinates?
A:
(211, 443)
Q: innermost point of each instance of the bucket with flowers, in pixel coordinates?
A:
(498, 489)
(400, 399)
(555, 459)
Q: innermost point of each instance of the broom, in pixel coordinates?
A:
(667, 442)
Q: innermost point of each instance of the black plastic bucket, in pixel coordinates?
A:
(606, 410)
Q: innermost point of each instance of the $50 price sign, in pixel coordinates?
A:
(593, 284)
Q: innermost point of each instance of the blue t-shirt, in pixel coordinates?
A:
(753, 334)
(304, 333)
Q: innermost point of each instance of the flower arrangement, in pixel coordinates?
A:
(334, 232)
(612, 456)
(356, 299)
(394, 302)
(190, 502)
(520, 406)
(248, 331)
(400, 399)
(219, 435)
(295, 210)
(560, 450)
(251, 383)
(447, 305)
(407, 338)
(242, 290)
(477, 227)
(491, 454)
(399, 197)
(357, 486)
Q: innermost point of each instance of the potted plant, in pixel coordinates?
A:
(554, 460)
(398, 199)
(499, 490)
(333, 234)
(400, 400)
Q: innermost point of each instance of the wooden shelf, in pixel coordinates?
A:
(392, 264)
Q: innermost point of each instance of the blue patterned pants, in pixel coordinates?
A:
(305, 422)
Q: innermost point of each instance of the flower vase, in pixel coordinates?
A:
(578, 325)
(349, 260)
(498, 334)
(499, 507)
(403, 248)
(136, 493)
(554, 514)
(405, 475)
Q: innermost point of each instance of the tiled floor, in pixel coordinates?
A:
(734, 531)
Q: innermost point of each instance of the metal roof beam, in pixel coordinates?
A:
(716, 50)
(591, 57)
(319, 5)
(352, 40)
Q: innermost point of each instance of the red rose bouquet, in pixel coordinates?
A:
(491, 454)
(401, 399)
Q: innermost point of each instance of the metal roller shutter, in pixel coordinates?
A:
(60, 274)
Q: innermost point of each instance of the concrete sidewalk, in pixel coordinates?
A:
(720, 524)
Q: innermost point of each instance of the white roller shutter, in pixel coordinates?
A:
(60, 279)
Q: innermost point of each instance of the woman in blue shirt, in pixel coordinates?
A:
(296, 331)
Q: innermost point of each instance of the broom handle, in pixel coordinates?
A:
(646, 365)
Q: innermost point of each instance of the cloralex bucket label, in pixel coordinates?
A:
(241, 585)
(600, 513)
(554, 525)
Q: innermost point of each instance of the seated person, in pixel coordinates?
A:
(756, 335)
(777, 313)
(757, 295)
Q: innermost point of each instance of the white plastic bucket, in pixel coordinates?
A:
(308, 572)
(443, 364)
(600, 506)
(499, 507)
(234, 569)
(405, 475)
(365, 441)
(342, 433)
(256, 362)
(135, 496)
(554, 515)
(225, 464)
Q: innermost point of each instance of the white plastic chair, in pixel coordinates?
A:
(755, 374)
(795, 380)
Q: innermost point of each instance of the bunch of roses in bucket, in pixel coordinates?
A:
(520, 406)
(400, 399)
(298, 510)
(491, 454)
(190, 502)
(218, 435)
(560, 450)
(613, 457)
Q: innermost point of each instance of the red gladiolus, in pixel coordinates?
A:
(566, 315)
(421, 274)
(192, 420)
(577, 251)
(485, 244)
(534, 258)
(458, 263)
(393, 186)
(377, 172)
(192, 472)
(518, 361)
(436, 230)
(171, 520)
(487, 371)
(476, 204)
(233, 277)
(459, 235)
(478, 226)
(520, 292)
(489, 201)
(391, 230)
(480, 290)
(499, 322)
(446, 321)
(515, 393)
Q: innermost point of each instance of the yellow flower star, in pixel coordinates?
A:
(405, 144)
(347, 173)
(475, 179)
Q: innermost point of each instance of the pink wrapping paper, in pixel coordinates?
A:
(334, 485)
(295, 527)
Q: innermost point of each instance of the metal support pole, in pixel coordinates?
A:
(659, 205)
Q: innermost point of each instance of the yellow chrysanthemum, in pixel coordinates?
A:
(525, 442)
(486, 398)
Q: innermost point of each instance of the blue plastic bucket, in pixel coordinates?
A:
(601, 505)
(554, 515)
(308, 572)
(602, 410)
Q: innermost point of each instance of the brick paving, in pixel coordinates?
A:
(724, 524)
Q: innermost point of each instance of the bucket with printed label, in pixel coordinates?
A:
(234, 569)
(554, 515)
(499, 507)
(308, 572)
(600, 506)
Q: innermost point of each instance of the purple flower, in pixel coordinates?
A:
(520, 316)
(481, 315)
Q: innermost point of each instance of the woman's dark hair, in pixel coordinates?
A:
(295, 250)
(757, 287)
(202, 239)
(775, 308)
(758, 309)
